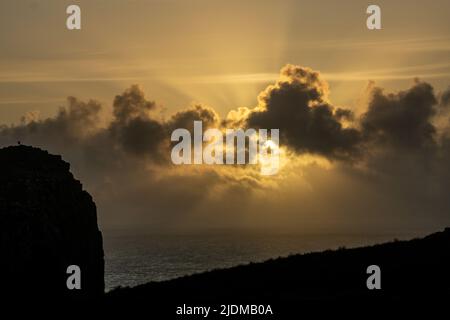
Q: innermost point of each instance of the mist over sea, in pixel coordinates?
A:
(132, 259)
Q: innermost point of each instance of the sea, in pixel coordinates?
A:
(133, 259)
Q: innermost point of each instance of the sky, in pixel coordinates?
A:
(363, 115)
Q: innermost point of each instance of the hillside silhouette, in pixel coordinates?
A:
(410, 270)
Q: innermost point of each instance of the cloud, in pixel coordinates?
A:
(71, 124)
(131, 104)
(185, 118)
(402, 119)
(133, 127)
(384, 166)
(297, 104)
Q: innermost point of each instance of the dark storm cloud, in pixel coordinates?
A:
(133, 127)
(297, 105)
(185, 118)
(131, 104)
(402, 119)
(139, 133)
(139, 136)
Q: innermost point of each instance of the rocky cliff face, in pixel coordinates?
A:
(47, 222)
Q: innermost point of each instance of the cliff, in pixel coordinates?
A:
(47, 223)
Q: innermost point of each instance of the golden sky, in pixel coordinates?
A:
(219, 53)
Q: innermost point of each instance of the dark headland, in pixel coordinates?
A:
(47, 222)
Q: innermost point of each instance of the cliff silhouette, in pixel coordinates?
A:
(47, 223)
